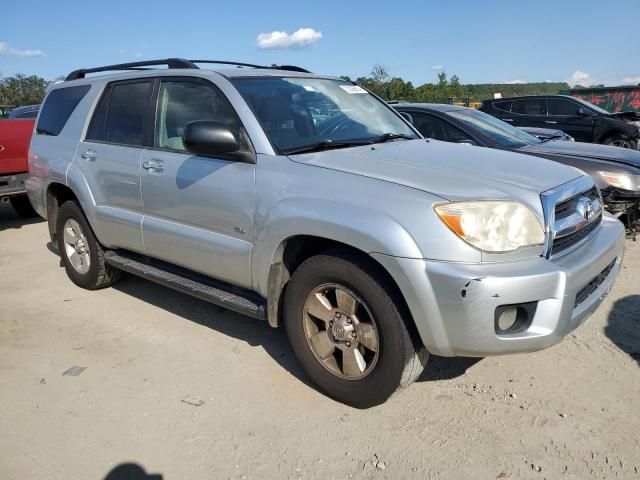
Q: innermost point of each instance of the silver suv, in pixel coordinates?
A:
(306, 201)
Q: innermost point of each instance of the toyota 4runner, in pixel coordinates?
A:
(306, 201)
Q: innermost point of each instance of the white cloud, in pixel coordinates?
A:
(580, 78)
(630, 81)
(5, 49)
(437, 67)
(303, 37)
(512, 82)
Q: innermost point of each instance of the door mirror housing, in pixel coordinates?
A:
(210, 139)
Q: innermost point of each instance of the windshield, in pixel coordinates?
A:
(501, 133)
(591, 106)
(300, 113)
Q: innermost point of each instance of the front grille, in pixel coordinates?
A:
(560, 244)
(567, 209)
(593, 285)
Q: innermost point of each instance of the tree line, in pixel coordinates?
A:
(27, 90)
(448, 89)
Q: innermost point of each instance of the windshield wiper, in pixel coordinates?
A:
(326, 145)
(385, 137)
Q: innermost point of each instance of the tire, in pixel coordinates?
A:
(620, 140)
(87, 268)
(22, 206)
(398, 356)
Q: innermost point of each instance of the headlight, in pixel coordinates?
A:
(492, 226)
(625, 181)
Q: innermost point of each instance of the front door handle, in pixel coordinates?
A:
(507, 119)
(1, 148)
(550, 121)
(153, 165)
(89, 155)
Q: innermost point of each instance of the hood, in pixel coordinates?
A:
(451, 171)
(624, 156)
(630, 116)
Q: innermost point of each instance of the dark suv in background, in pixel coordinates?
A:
(582, 120)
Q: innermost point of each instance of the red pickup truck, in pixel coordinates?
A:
(15, 135)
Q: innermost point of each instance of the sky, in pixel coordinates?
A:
(587, 41)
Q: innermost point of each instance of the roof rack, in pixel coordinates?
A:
(291, 68)
(174, 63)
(169, 62)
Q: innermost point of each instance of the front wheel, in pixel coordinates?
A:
(619, 140)
(348, 330)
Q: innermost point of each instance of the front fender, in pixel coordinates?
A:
(352, 224)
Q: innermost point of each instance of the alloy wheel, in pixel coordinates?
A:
(341, 331)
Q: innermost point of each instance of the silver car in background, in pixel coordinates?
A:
(304, 200)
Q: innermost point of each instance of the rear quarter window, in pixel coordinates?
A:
(58, 107)
(504, 106)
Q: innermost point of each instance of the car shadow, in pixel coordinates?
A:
(11, 220)
(623, 326)
(131, 471)
(254, 332)
(445, 368)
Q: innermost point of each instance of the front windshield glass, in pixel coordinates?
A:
(591, 106)
(501, 133)
(297, 113)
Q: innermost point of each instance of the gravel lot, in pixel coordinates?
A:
(141, 375)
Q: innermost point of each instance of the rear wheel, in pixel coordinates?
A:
(22, 206)
(620, 140)
(347, 329)
(82, 255)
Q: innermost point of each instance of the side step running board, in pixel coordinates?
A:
(191, 283)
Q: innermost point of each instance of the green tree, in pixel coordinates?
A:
(22, 90)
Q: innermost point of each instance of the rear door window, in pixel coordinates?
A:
(122, 115)
(503, 106)
(58, 107)
(534, 106)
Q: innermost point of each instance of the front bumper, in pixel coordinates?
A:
(12, 184)
(453, 304)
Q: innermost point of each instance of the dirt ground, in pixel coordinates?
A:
(141, 382)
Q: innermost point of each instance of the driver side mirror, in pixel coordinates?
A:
(209, 138)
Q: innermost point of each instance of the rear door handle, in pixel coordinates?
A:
(507, 119)
(550, 121)
(153, 165)
(89, 155)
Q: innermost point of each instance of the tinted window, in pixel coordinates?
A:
(535, 106)
(32, 114)
(438, 129)
(504, 106)
(121, 115)
(58, 107)
(181, 102)
(560, 106)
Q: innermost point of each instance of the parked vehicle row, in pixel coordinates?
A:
(14, 145)
(582, 120)
(615, 171)
(306, 201)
